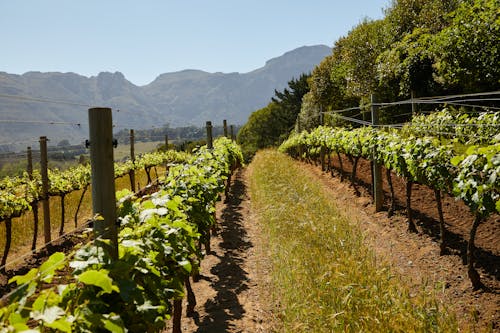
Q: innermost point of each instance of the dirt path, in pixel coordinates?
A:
(234, 292)
(234, 276)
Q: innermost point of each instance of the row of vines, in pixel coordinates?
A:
(21, 194)
(160, 241)
(461, 158)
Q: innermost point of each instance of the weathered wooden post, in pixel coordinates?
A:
(34, 204)
(232, 132)
(132, 158)
(103, 179)
(209, 135)
(378, 193)
(224, 125)
(45, 189)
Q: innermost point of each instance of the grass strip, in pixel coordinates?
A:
(324, 278)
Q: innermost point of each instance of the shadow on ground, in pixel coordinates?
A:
(230, 279)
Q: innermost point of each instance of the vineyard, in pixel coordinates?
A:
(160, 242)
(165, 231)
(463, 161)
(19, 195)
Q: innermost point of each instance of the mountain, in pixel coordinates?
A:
(188, 97)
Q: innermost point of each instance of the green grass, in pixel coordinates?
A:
(324, 278)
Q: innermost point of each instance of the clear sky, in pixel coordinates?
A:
(143, 39)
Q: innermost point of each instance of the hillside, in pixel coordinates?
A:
(188, 97)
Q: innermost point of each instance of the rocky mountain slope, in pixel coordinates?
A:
(188, 97)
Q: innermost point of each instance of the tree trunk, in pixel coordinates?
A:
(411, 224)
(322, 158)
(329, 161)
(214, 226)
(80, 204)
(341, 167)
(61, 228)
(176, 320)
(227, 187)
(392, 207)
(207, 243)
(191, 299)
(34, 207)
(354, 168)
(131, 177)
(148, 170)
(372, 174)
(8, 240)
(442, 228)
(353, 176)
(156, 172)
(473, 274)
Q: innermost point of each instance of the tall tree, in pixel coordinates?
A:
(404, 16)
(290, 100)
(469, 49)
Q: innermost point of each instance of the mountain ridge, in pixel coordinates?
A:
(186, 97)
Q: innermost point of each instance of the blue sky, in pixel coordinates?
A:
(143, 39)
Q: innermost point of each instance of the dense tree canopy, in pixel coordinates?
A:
(468, 51)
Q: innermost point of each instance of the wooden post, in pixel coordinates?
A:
(378, 193)
(132, 158)
(103, 180)
(34, 205)
(209, 135)
(232, 132)
(45, 189)
(224, 125)
(29, 169)
(166, 141)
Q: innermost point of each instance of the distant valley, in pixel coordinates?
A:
(188, 97)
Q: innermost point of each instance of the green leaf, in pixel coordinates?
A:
(18, 321)
(48, 268)
(148, 205)
(22, 279)
(60, 325)
(98, 278)
(456, 160)
(186, 265)
(48, 315)
(114, 324)
(498, 206)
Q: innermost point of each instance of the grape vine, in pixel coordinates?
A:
(158, 251)
(471, 174)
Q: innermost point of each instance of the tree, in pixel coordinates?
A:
(469, 49)
(262, 130)
(290, 101)
(359, 52)
(409, 66)
(404, 16)
(309, 116)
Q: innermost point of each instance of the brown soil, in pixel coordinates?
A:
(234, 293)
